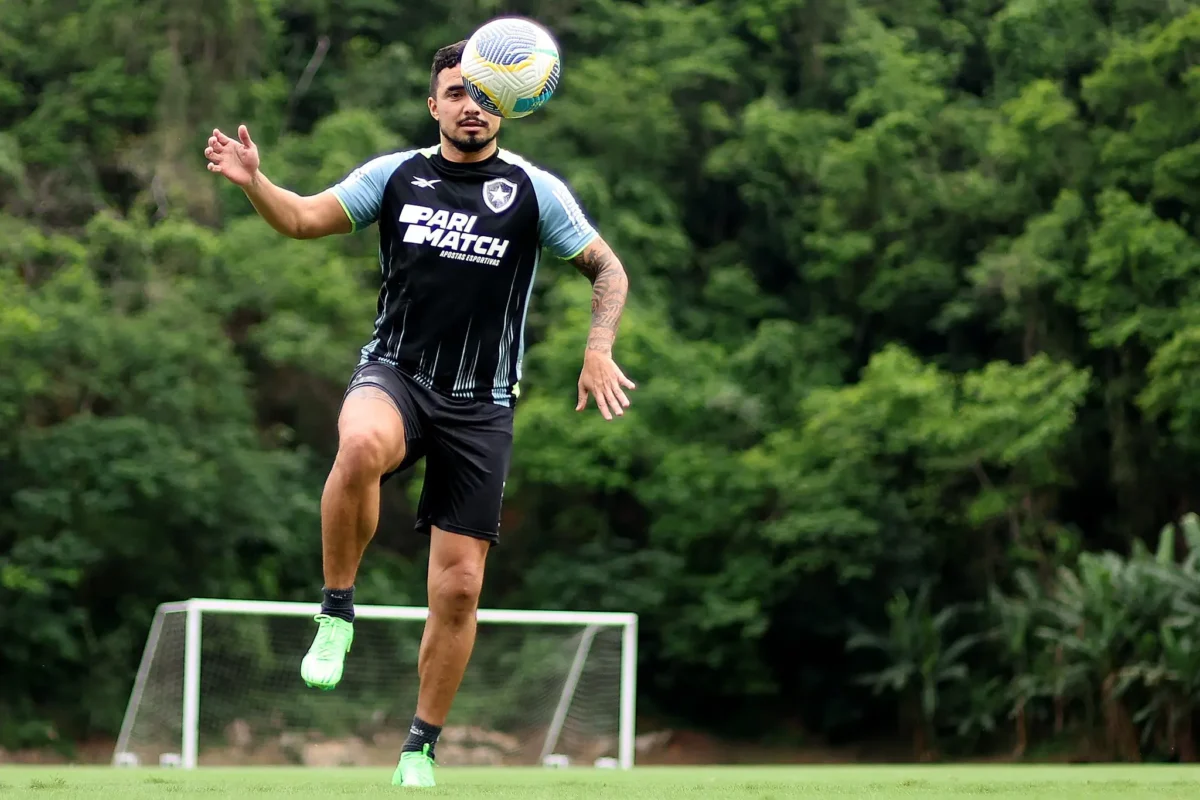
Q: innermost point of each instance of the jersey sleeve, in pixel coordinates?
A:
(361, 192)
(562, 226)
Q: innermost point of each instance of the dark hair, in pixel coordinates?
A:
(448, 57)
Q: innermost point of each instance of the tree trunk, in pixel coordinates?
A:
(1129, 734)
(920, 732)
(1060, 705)
(923, 744)
(1112, 733)
(1022, 731)
(1184, 739)
(1120, 733)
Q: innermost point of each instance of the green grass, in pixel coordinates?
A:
(645, 783)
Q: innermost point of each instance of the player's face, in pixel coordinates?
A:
(468, 127)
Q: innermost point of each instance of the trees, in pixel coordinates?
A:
(1105, 648)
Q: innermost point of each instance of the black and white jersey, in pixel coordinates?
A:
(459, 246)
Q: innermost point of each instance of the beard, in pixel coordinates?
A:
(470, 140)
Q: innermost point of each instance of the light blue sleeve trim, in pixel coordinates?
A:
(562, 226)
(361, 192)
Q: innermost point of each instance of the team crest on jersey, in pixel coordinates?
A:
(499, 194)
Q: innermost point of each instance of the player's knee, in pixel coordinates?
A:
(456, 592)
(364, 453)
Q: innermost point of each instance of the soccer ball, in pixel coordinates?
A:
(510, 67)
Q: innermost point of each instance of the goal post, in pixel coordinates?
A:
(219, 684)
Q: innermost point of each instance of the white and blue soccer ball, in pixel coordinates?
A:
(510, 67)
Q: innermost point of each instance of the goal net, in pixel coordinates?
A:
(219, 685)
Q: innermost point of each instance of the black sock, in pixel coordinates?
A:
(421, 733)
(339, 603)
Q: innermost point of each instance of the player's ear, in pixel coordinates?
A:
(432, 107)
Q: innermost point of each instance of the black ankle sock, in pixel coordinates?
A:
(421, 733)
(338, 603)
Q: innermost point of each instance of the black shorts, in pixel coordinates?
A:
(467, 445)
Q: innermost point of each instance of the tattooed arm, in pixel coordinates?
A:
(601, 376)
(609, 288)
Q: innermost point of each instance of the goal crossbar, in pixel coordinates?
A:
(495, 615)
(194, 608)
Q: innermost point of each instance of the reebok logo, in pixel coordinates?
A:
(425, 183)
(451, 232)
(574, 212)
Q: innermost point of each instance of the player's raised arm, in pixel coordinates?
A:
(294, 215)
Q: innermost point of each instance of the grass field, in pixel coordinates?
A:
(646, 783)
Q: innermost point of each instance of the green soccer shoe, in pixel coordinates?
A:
(414, 770)
(322, 666)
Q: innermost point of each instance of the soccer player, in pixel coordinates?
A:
(461, 229)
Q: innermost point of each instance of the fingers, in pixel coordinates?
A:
(604, 381)
(610, 399)
(614, 383)
(618, 381)
(602, 404)
(618, 397)
(219, 141)
(606, 399)
(585, 387)
(217, 144)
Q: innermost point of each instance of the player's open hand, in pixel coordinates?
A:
(602, 378)
(236, 159)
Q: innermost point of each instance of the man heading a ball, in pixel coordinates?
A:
(461, 229)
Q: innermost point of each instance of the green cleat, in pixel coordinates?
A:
(322, 666)
(415, 769)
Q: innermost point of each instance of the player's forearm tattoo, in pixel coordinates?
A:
(610, 285)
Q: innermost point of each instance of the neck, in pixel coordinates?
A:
(452, 153)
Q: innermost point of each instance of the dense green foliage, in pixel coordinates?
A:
(914, 314)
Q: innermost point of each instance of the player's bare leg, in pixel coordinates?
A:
(456, 565)
(370, 444)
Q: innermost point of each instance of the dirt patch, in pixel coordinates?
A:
(458, 745)
(655, 744)
(91, 751)
(696, 748)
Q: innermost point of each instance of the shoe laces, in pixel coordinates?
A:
(326, 645)
(421, 755)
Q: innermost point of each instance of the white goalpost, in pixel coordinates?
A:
(219, 684)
